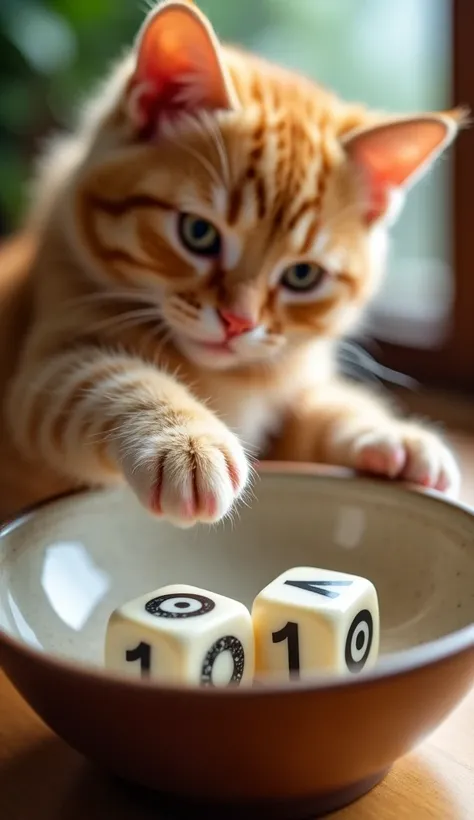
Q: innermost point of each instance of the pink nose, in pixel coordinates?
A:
(235, 325)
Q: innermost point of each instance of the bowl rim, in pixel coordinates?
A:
(400, 663)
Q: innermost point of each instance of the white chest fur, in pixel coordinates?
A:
(253, 415)
(256, 411)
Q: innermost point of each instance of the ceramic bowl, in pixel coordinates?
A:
(286, 750)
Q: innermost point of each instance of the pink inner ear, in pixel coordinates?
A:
(178, 67)
(388, 155)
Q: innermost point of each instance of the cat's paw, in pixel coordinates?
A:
(188, 474)
(409, 453)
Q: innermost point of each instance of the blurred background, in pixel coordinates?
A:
(408, 55)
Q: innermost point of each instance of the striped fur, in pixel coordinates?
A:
(120, 368)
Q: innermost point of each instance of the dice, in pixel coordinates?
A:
(310, 621)
(182, 634)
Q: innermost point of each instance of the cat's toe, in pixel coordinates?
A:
(379, 452)
(430, 463)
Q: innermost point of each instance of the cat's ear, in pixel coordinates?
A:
(391, 156)
(179, 67)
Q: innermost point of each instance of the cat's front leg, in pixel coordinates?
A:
(343, 425)
(99, 417)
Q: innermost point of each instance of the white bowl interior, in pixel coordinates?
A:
(64, 568)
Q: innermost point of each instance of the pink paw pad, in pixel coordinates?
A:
(155, 497)
(424, 480)
(442, 485)
(209, 505)
(188, 509)
(383, 459)
(234, 475)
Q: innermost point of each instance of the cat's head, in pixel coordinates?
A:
(245, 201)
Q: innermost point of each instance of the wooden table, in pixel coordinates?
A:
(43, 779)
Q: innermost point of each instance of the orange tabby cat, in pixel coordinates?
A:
(198, 247)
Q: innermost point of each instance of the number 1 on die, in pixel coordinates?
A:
(141, 653)
(290, 634)
(182, 634)
(313, 620)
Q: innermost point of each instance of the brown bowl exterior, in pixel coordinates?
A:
(313, 749)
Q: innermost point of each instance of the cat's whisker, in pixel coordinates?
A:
(130, 319)
(210, 128)
(131, 325)
(110, 294)
(156, 330)
(160, 329)
(105, 435)
(177, 307)
(221, 150)
(163, 334)
(161, 342)
(107, 297)
(359, 363)
(171, 134)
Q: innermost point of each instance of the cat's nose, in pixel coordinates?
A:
(235, 324)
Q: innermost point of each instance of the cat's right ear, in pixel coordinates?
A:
(390, 156)
(179, 67)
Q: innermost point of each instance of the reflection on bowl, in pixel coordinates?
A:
(282, 749)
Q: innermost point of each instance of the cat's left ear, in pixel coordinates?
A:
(179, 67)
(392, 156)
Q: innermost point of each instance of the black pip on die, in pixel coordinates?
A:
(312, 620)
(182, 634)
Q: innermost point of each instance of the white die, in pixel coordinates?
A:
(312, 620)
(182, 634)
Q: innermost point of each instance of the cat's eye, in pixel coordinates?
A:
(303, 276)
(199, 235)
